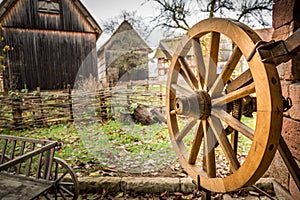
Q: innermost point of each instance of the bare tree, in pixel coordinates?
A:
(214, 6)
(173, 14)
(257, 9)
(176, 14)
(110, 25)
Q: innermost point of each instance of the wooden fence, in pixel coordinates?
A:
(22, 110)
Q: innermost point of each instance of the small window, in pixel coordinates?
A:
(48, 6)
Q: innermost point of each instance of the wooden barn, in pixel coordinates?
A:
(52, 41)
(123, 57)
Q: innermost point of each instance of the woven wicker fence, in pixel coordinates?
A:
(23, 110)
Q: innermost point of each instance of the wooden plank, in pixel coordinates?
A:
(30, 160)
(13, 148)
(16, 187)
(20, 154)
(26, 156)
(31, 140)
(3, 151)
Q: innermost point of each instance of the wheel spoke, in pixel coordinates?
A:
(186, 129)
(187, 74)
(219, 132)
(46, 196)
(233, 122)
(66, 183)
(62, 193)
(55, 171)
(181, 89)
(237, 94)
(204, 166)
(226, 73)
(244, 79)
(211, 70)
(234, 140)
(66, 190)
(210, 151)
(200, 66)
(60, 178)
(196, 144)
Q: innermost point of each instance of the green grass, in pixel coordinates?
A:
(72, 150)
(129, 147)
(91, 147)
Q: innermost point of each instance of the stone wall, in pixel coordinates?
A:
(286, 20)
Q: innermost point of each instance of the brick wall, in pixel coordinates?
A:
(286, 19)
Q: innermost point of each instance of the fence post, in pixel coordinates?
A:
(70, 103)
(147, 85)
(108, 101)
(39, 120)
(129, 87)
(16, 110)
(161, 97)
(103, 108)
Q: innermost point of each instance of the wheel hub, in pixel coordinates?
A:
(197, 105)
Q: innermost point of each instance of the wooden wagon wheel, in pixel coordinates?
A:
(206, 100)
(66, 185)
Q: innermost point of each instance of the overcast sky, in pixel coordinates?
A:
(102, 10)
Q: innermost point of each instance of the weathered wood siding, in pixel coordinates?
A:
(49, 48)
(24, 14)
(50, 59)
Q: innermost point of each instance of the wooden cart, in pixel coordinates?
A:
(29, 170)
(226, 101)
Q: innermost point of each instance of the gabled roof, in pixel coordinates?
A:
(167, 47)
(7, 4)
(128, 36)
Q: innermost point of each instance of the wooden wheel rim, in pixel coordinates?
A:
(59, 181)
(269, 107)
